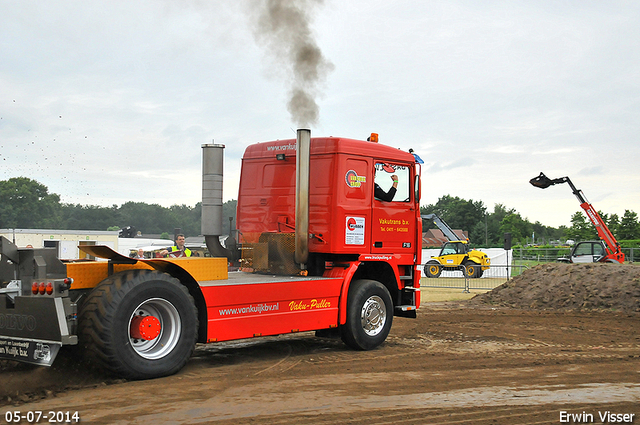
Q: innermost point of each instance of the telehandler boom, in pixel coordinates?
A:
(587, 251)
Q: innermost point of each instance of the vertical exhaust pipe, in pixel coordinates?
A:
(303, 142)
(212, 171)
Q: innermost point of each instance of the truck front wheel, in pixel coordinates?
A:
(432, 269)
(139, 324)
(369, 315)
(472, 269)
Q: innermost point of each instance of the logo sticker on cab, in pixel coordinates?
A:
(353, 179)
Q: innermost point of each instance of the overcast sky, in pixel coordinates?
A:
(109, 102)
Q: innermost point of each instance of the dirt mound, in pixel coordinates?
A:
(558, 286)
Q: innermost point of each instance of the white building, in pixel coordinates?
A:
(65, 241)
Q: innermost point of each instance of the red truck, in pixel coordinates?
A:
(319, 253)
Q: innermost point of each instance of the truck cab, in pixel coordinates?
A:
(350, 230)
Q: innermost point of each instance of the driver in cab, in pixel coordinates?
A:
(379, 193)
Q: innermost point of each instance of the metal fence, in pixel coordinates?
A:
(552, 254)
(491, 278)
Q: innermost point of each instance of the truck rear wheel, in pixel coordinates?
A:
(369, 315)
(139, 324)
(432, 269)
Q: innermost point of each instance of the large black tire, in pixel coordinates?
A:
(110, 317)
(369, 315)
(432, 269)
(472, 269)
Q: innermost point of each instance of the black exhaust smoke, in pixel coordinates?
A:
(284, 28)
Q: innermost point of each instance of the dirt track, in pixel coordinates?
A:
(457, 363)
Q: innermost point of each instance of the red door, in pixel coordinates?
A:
(394, 210)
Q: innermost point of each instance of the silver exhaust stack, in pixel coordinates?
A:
(303, 142)
(212, 171)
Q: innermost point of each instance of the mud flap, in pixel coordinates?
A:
(41, 353)
(33, 329)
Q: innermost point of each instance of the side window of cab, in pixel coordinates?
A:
(391, 182)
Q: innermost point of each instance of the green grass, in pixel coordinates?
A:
(528, 263)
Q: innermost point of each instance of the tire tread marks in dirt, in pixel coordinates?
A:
(104, 317)
(489, 415)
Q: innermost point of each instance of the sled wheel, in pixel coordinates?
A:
(471, 269)
(139, 324)
(432, 269)
(369, 315)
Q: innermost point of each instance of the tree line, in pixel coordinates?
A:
(27, 204)
(487, 228)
